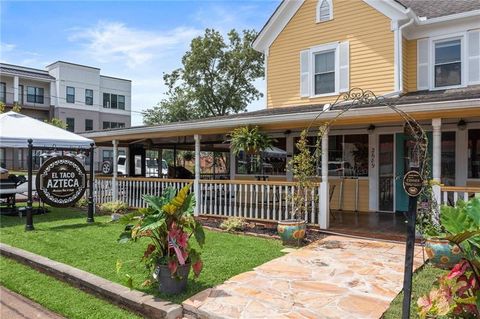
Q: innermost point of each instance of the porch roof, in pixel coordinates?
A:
(422, 105)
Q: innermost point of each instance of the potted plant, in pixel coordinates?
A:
(170, 225)
(302, 165)
(456, 294)
(251, 141)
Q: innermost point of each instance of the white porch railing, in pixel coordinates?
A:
(262, 200)
(451, 194)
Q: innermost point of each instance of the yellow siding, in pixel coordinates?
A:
(371, 50)
(409, 65)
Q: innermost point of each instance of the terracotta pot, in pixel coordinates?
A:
(292, 231)
(172, 285)
(442, 253)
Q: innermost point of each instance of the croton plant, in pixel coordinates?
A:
(170, 225)
(457, 294)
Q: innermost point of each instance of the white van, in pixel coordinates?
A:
(151, 168)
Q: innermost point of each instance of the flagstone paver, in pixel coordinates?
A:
(336, 277)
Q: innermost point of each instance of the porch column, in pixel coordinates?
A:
(233, 164)
(160, 163)
(289, 150)
(115, 170)
(437, 156)
(324, 202)
(461, 157)
(15, 89)
(196, 183)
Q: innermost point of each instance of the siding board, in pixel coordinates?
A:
(371, 50)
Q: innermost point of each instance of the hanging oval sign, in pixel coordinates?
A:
(413, 183)
(61, 181)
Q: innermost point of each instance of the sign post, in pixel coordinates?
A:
(413, 186)
(90, 192)
(29, 221)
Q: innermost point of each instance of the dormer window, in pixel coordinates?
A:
(324, 10)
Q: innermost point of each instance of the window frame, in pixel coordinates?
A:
(463, 60)
(118, 102)
(88, 121)
(87, 97)
(37, 97)
(73, 126)
(67, 95)
(324, 49)
(3, 97)
(330, 7)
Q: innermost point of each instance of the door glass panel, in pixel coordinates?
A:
(386, 172)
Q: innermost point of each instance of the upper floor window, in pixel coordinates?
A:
(324, 10)
(34, 95)
(448, 63)
(88, 97)
(324, 72)
(70, 94)
(114, 101)
(3, 92)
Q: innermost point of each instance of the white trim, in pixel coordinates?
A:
(432, 41)
(277, 22)
(389, 8)
(265, 63)
(455, 16)
(324, 48)
(233, 122)
(431, 30)
(330, 8)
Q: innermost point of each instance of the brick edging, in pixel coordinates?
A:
(133, 300)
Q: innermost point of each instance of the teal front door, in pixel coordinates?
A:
(403, 150)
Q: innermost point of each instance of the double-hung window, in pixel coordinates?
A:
(34, 95)
(324, 70)
(324, 77)
(106, 100)
(121, 102)
(70, 94)
(88, 97)
(448, 63)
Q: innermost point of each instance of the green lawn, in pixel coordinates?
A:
(56, 295)
(63, 235)
(422, 283)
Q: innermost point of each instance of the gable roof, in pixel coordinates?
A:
(439, 8)
(393, 9)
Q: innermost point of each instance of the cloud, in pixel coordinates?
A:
(6, 47)
(115, 41)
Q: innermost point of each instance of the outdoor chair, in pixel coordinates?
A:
(330, 196)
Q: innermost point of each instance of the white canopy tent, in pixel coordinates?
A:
(16, 129)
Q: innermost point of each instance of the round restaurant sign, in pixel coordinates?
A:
(61, 181)
(413, 183)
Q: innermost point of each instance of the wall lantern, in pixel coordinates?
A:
(462, 125)
(371, 128)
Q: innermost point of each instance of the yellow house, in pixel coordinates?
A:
(423, 56)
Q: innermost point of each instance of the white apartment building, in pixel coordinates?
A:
(77, 94)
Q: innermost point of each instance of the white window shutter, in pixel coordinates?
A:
(423, 57)
(305, 73)
(473, 57)
(344, 66)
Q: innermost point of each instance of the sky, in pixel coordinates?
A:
(136, 40)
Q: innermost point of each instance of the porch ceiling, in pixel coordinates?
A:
(282, 119)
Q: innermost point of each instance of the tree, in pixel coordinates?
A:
(55, 121)
(2, 107)
(216, 79)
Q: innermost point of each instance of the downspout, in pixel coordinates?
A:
(400, 50)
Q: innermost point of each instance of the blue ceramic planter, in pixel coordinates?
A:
(292, 231)
(442, 253)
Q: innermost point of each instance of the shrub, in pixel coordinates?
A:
(233, 224)
(115, 207)
(82, 203)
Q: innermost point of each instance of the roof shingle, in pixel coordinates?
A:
(438, 8)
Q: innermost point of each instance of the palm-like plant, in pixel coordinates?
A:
(170, 224)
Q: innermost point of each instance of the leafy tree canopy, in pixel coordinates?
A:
(216, 79)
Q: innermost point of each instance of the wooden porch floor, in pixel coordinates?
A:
(390, 226)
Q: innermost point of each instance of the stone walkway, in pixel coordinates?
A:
(14, 306)
(336, 277)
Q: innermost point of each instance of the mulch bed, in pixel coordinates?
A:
(259, 229)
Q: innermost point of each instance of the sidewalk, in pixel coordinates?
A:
(15, 306)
